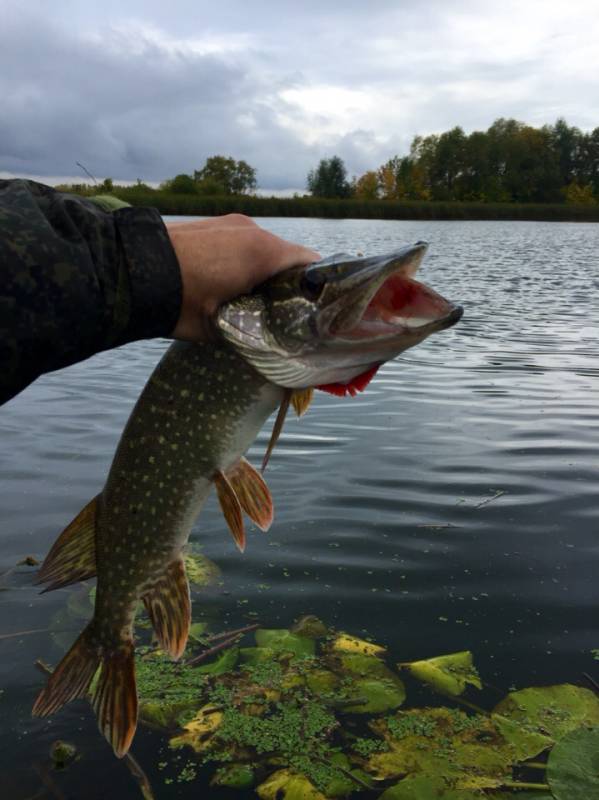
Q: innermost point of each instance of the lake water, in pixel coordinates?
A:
(452, 506)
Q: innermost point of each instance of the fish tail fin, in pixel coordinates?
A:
(115, 698)
(169, 606)
(73, 555)
(115, 695)
(72, 677)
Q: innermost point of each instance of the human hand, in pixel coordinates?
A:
(221, 258)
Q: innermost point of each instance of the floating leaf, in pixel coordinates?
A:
(446, 674)
(280, 640)
(425, 787)
(525, 743)
(380, 694)
(442, 742)
(257, 655)
(345, 643)
(287, 785)
(553, 711)
(361, 665)
(573, 765)
(199, 731)
(200, 570)
(224, 662)
(310, 626)
(197, 632)
(321, 681)
(234, 776)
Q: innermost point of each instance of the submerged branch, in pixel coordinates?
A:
(212, 650)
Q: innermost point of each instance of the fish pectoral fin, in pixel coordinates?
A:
(301, 399)
(231, 508)
(73, 555)
(115, 698)
(169, 607)
(252, 492)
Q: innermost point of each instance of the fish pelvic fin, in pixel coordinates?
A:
(72, 677)
(252, 492)
(301, 399)
(115, 697)
(169, 607)
(231, 508)
(73, 555)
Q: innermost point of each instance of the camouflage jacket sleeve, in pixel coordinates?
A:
(75, 280)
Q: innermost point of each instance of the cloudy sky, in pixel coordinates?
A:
(147, 89)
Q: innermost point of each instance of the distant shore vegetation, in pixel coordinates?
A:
(510, 171)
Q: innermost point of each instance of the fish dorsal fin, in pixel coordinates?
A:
(169, 607)
(301, 399)
(231, 508)
(73, 555)
(252, 492)
(277, 427)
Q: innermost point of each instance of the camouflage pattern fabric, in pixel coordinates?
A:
(76, 279)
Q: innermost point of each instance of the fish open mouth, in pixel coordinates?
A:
(393, 303)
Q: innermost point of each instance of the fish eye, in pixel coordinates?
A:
(312, 283)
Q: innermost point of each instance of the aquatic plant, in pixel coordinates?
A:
(313, 713)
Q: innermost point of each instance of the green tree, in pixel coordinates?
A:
(329, 179)
(181, 184)
(236, 177)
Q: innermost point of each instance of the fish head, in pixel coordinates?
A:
(330, 322)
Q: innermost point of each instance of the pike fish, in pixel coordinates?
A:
(328, 325)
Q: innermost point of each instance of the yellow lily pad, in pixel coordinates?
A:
(288, 785)
(448, 674)
(345, 643)
(200, 730)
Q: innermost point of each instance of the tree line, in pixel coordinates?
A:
(511, 162)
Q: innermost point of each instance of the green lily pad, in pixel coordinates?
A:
(573, 765)
(288, 785)
(446, 674)
(425, 787)
(280, 640)
(234, 776)
(257, 655)
(321, 681)
(382, 694)
(200, 570)
(224, 662)
(552, 711)
(361, 665)
(525, 743)
(197, 632)
(443, 743)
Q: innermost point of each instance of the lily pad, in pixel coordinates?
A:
(443, 743)
(234, 776)
(201, 572)
(361, 665)
(425, 787)
(573, 765)
(345, 643)
(552, 711)
(288, 785)
(199, 731)
(380, 694)
(281, 640)
(448, 674)
(310, 626)
(525, 743)
(224, 662)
